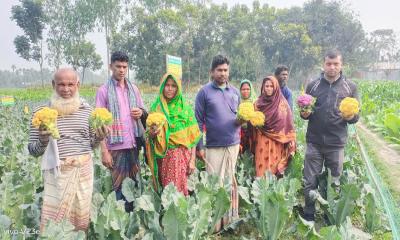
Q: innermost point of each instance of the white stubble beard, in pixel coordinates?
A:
(65, 106)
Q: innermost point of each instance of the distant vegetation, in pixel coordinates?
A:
(255, 38)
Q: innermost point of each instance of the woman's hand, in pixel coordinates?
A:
(191, 166)
(154, 131)
(192, 162)
(240, 121)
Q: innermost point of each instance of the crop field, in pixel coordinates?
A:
(269, 208)
(381, 108)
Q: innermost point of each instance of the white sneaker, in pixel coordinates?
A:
(309, 224)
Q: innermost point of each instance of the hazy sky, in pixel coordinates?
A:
(372, 14)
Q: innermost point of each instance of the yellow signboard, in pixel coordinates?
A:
(7, 101)
(174, 65)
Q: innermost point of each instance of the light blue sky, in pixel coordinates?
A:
(372, 14)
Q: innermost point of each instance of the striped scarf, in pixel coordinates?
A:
(116, 135)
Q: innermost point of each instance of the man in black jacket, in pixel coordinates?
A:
(327, 129)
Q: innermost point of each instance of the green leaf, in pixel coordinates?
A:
(371, 214)
(199, 215)
(133, 225)
(101, 227)
(244, 194)
(148, 236)
(208, 182)
(170, 195)
(330, 233)
(346, 230)
(330, 192)
(331, 195)
(145, 203)
(346, 204)
(114, 214)
(156, 201)
(106, 185)
(5, 222)
(392, 139)
(193, 180)
(259, 187)
(392, 122)
(61, 230)
(294, 187)
(220, 207)
(128, 189)
(272, 208)
(152, 220)
(276, 215)
(175, 220)
(97, 200)
(306, 231)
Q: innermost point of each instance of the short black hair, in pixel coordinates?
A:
(119, 56)
(280, 69)
(219, 60)
(333, 53)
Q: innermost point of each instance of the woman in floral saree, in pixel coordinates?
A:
(275, 142)
(171, 149)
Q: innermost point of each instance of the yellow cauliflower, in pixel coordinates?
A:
(349, 107)
(100, 117)
(258, 119)
(246, 111)
(46, 118)
(156, 118)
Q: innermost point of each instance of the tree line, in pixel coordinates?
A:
(30, 78)
(255, 38)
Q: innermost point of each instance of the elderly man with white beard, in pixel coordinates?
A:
(67, 165)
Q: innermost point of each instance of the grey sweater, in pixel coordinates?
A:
(216, 109)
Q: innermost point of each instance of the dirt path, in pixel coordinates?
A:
(385, 158)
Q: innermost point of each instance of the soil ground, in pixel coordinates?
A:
(385, 156)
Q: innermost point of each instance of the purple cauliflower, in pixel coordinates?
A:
(306, 102)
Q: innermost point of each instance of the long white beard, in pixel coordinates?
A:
(65, 106)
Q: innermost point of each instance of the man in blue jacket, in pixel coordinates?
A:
(282, 75)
